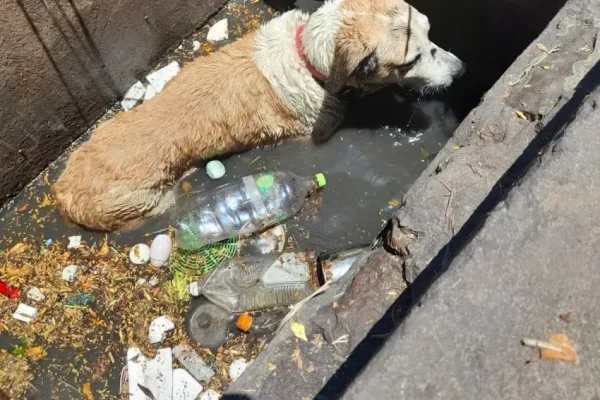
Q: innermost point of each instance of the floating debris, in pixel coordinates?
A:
(69, 273)
(192, 362)
(139, 254)
(35, 294)
(74, 242)
(237, 368)
(219, 31)
(210, 395)
(160, 250)
(215, 169)
(25, 313)
(133, 96)
(150, 378)
(158, 79)
(185, 387)
(159, 328)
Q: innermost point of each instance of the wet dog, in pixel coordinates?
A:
(283, 81)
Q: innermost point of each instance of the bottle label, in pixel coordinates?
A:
(265, 182)
(254, 195)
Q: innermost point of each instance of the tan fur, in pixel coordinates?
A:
(123, 171)
(231, 101)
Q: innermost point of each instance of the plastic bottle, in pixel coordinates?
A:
(240, 208)
(257, 283)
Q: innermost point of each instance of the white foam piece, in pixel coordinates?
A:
(185, 387)
(153, 376)
(219, 31)
(158, 79)
(133, 96)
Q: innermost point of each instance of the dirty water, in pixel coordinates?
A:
(369, 163)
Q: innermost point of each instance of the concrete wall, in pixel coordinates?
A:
(62, 62)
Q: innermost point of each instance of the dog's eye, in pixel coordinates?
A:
(408, 65)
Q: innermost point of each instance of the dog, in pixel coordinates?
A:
(286, 80)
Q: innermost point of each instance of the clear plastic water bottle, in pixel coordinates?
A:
(257, 283)
(240, 208)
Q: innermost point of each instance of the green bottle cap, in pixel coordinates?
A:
(321, 181)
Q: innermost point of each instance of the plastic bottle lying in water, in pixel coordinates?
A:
(240, 208)
(256, 283)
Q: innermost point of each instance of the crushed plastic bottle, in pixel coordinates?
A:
(240, 208)
(257, 283)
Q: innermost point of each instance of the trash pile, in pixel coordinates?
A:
(129, 304)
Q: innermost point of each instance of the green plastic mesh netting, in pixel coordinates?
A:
(187, 265)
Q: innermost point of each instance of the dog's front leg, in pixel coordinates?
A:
(330, 118)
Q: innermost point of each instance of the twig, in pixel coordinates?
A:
(301, 303)
(539, 344)
(533, 65)
(70, 386)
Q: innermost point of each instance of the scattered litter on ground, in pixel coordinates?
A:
(215, 169)
(219, 31)
(210, 395)
(10, 292)
(192, 362)
(139, 254)
(185, 387)
(150, 378)
(150, 93)
(160, 250)
(74, 242)
(237, 368)
(133, 96)
(35, 294)
(558, 347)
(153, 280)
(196, 45)
(159, 328)
(158, 79)
(566, 317)
(69, 273)
(24, 313)
(244, 322)
(298, 330)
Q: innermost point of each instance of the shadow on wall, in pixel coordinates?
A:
(486, 34)
(64, 62)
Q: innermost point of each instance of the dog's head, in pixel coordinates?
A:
(373, 43)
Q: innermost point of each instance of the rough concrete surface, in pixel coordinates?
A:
(535, 259)
(62, 63)
(528, 96)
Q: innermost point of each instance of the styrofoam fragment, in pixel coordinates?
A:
(133, 96)
(158, 79)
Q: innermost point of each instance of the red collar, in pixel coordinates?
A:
(299, 48)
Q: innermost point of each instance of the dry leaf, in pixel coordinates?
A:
(186, 187)
(521, 115)
(566, 317)
(24, 208)
(35, 353)
(335, 304)
(311, 368)
(105, 249)
(86, 390)
(394, 203)
(271, 366)
(296, 356)
(299, 330)
(46, 201)
(568, 352)
(18, 248)
(542, 47)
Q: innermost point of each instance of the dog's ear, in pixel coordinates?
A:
(349, 61)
